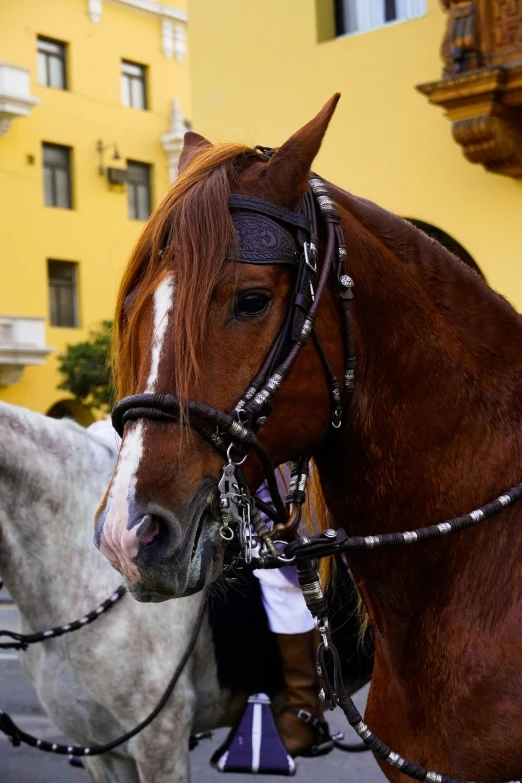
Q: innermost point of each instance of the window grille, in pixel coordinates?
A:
(138, 190)
(57, 175)
(63, 295)
(133, 92)
(51, 63)
(358, 16)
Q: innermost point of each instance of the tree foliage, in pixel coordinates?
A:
(85, 369)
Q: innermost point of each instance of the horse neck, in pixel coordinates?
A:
(433, 426)
(51, 477)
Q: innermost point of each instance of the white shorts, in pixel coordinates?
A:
(284, 604)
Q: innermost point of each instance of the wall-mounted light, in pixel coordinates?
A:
(101, 148)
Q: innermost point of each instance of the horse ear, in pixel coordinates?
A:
(192, 143)
(287, 171)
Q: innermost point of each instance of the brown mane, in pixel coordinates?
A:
(192, 226)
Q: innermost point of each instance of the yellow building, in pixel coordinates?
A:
(93, 96)
(95, 92)
(258, 72)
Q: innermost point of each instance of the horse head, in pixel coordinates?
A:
(195, 322)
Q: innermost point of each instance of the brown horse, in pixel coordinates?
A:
(433, 430)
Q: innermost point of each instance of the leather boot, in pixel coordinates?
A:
(301, 723)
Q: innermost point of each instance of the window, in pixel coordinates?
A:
(133, 91)
(358, 16)
(57, 175)
(51, 63)
(63, 298)
(138, 190)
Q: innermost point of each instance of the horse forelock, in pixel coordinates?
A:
(186, 238)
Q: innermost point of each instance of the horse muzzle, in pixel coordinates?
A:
(162, 556)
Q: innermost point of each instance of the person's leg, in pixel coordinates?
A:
(290, 620)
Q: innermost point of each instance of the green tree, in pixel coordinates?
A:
(85, 369)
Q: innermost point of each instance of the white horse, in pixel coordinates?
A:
(104, 679)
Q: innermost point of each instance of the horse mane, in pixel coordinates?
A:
(433, 262)
(187, 235)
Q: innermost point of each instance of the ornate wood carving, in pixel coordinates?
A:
(507, 20)
(481, 85)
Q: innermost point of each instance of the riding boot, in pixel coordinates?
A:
(301, 723)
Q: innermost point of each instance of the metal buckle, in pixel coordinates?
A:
(309, 255)
(321, 623)
(305, 716)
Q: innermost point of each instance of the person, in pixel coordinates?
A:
(289, 619)
(300, 722)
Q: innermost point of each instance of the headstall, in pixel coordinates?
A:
(267, 233)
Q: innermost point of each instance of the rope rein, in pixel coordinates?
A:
(17, 736)
(23, 641)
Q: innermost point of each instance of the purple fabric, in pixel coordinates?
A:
(289, 572)
(272, 757)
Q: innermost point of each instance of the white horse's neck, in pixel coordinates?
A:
(52, 477)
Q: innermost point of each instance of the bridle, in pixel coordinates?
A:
(269, 234)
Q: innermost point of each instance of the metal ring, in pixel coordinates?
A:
(225, 529)
(336, 426)
(321, 623)
(286, 560)
(282, 558)
(230, 460)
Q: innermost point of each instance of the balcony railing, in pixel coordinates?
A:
(15, 95)
(22, 343)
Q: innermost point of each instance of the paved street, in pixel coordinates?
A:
(25, 765)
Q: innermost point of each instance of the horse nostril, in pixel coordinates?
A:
(148, 529)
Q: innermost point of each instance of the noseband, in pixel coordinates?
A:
(267, 233)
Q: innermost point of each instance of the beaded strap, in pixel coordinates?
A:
(22, 641)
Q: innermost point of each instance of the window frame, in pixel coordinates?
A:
(60, 285)
(411, 11)
(62, 57)
(54, 167)
(134, 185)
(127, 81)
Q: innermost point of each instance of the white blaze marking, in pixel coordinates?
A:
(121, 541)
(163, 297)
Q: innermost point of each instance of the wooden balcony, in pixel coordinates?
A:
(481, 85)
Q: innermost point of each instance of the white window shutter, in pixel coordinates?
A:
(409, 9)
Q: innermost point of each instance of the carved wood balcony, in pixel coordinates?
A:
(481, 85)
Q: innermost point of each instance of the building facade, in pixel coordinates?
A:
(458, 176)
(93, 100)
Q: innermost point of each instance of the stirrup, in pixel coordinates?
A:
(255, 745)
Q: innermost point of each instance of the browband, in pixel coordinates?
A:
(260, 240)
(260, 237)
(259, 205)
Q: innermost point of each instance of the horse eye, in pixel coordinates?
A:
(251, 304)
